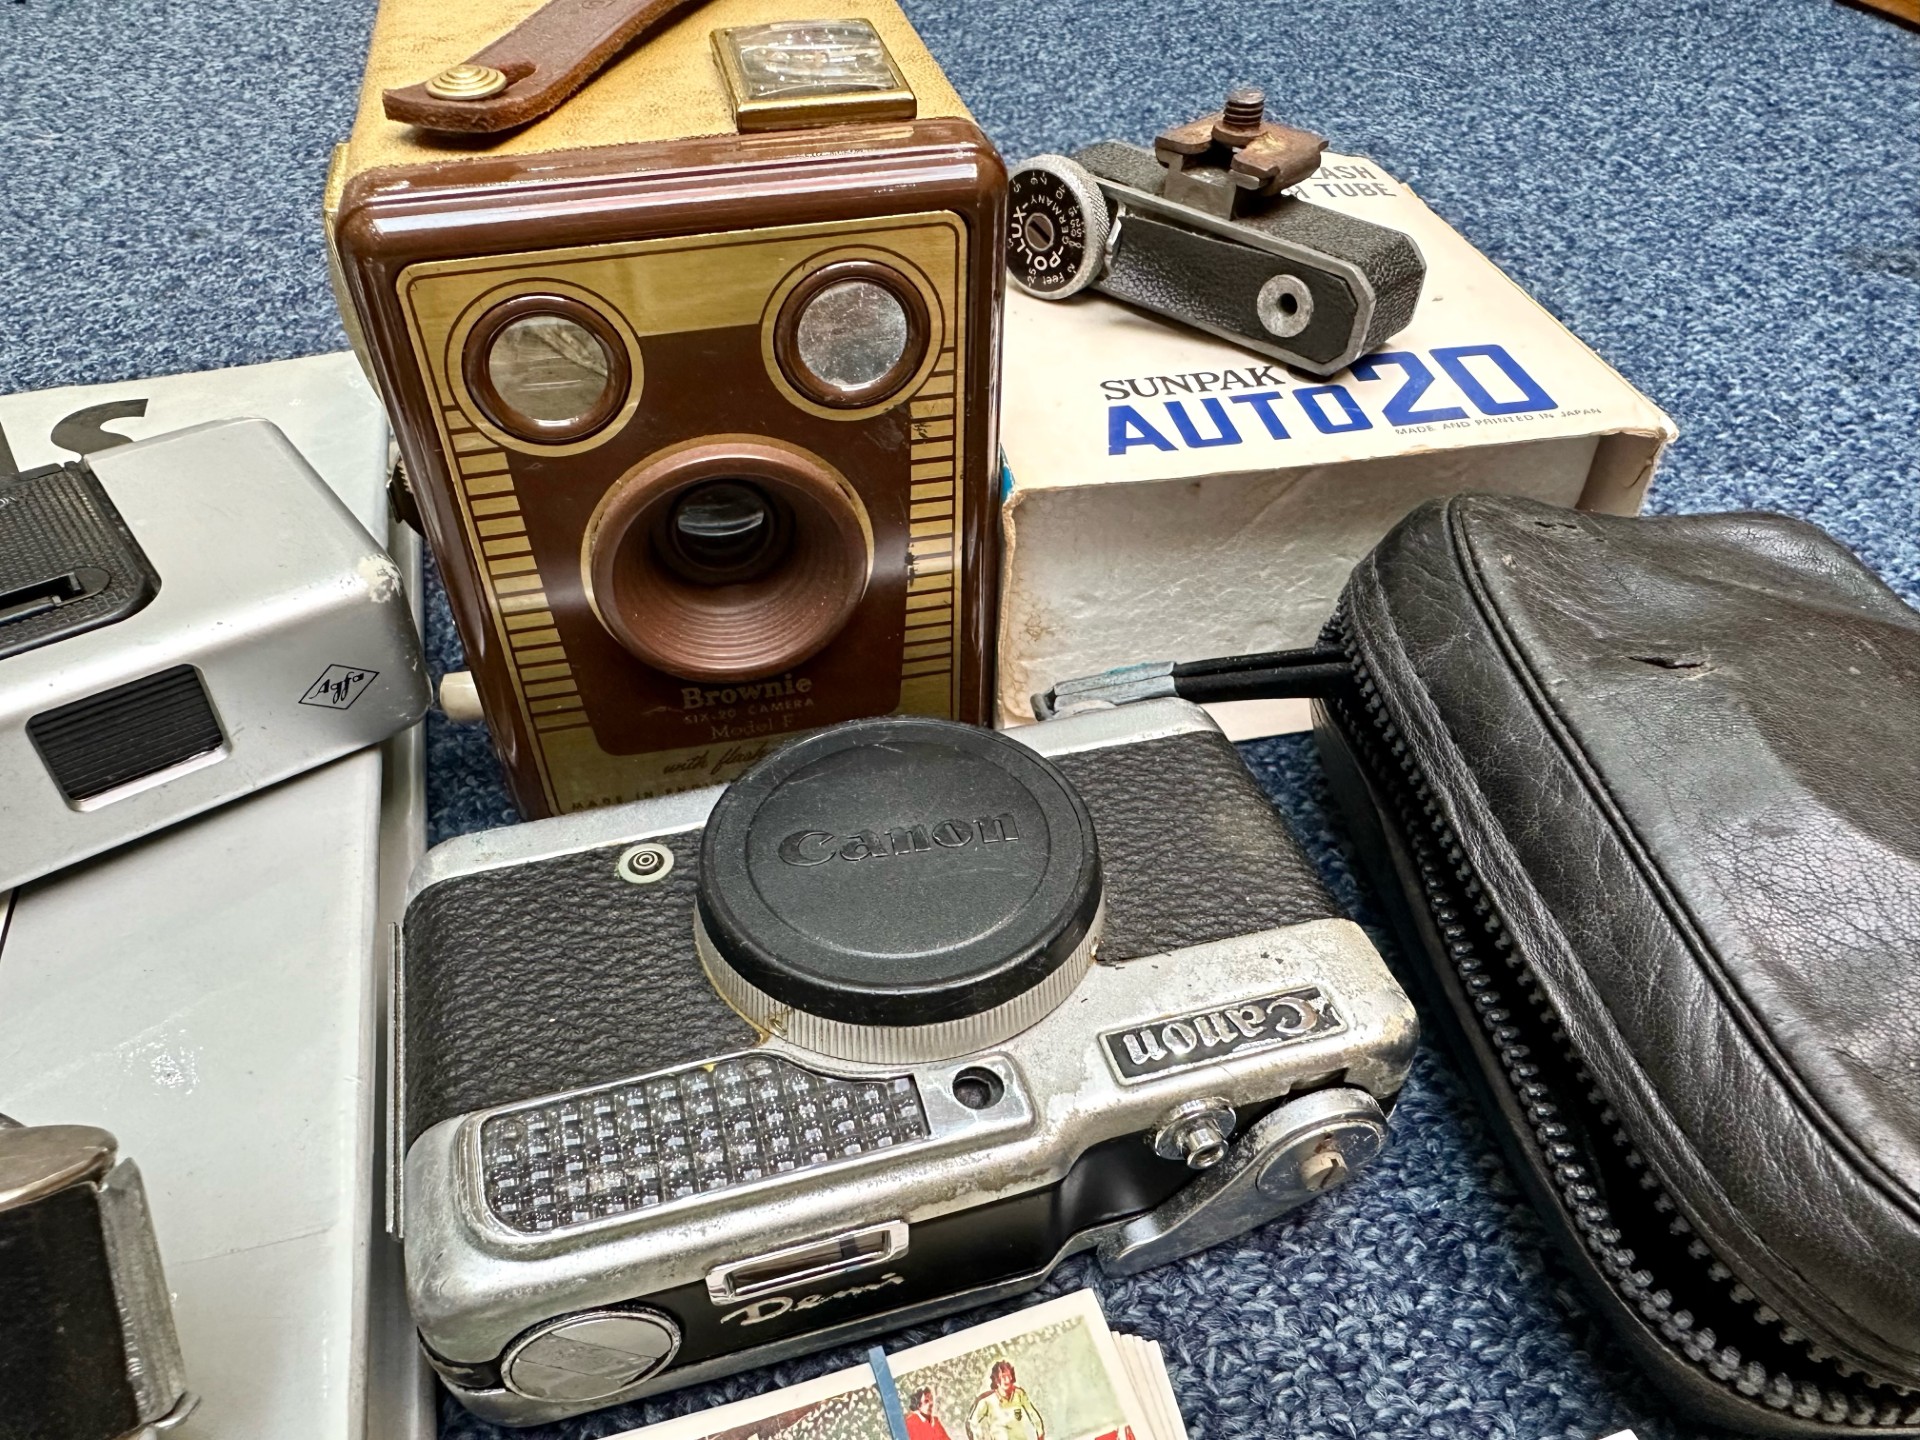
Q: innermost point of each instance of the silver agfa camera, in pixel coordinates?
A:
(183, 620)
(887, 1028)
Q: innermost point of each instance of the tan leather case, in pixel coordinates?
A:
(637, 198)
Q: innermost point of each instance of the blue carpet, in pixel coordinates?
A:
(1720, 197)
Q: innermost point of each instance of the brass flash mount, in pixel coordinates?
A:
(1224, 163)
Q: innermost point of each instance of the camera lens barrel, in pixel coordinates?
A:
(899, 889)
(733, 558)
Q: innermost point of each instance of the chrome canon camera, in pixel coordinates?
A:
(887, 1028)
(1202, 229)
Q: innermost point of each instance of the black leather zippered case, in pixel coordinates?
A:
(1641, 798)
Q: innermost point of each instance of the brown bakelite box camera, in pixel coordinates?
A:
(687, 317)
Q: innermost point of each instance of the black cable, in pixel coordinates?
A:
(1275, 675)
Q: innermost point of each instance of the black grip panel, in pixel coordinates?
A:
(68, 562)
(127, 733)
(63, 1369)
(555, 974)
(551, 975)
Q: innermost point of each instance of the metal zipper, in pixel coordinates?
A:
(1673, 1278)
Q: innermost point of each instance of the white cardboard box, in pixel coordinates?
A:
(1171, 496)
(213, 994)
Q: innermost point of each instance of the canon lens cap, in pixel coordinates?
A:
(898, 889)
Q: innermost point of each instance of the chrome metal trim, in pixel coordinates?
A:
(897, 1044)
(503, 1407)
(1210, 1121)
(561, 835)
(155, 1370)
(664, 1323)
(174, 1418)
(39, 1161)
(473, 1283)
(1132, 724)
(722, 1289)
(642, 820)
(1261, 1178)
(396, 1049)
(1317, 1007)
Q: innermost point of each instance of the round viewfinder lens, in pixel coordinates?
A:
(852, 334)
(549, 368)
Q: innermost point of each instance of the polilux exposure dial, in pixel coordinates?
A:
(898, 890)
(1057, 227)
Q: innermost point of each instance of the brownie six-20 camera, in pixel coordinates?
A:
(694, 375)
(888, 1028)
(1200, 228)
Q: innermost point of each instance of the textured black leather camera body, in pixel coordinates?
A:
(1357, 282)
(571, 1081)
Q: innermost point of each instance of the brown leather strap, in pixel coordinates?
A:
(544, 59)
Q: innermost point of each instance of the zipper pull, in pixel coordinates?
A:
(1315, 673)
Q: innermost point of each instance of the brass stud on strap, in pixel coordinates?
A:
(467, 82)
